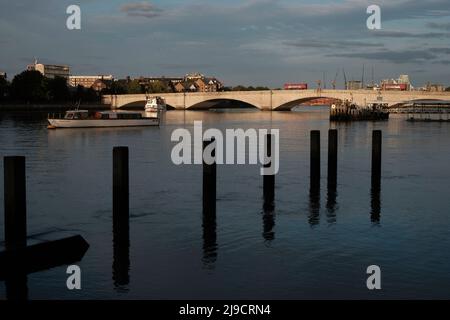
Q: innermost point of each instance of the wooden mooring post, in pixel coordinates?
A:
(332, 158)
(19, 259)
(315, 160)
(121, 191)
(209, 178)
(269, 179)
(121, 216)
(376, 157)
(15, 203)
(209, 203)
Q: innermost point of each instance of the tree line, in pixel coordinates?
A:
(33, 87)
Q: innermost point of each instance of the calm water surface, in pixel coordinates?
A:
(309, 246)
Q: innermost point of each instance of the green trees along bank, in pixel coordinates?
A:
(32, 87)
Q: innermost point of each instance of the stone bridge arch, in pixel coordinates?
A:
(140, 104)
(287, 106)
(256, 99)
(222, 103)
(403, 103)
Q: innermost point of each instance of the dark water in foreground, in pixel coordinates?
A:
(303, 249)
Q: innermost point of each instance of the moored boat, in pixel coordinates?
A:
(87, 119)
(347, 111)
(155, 104)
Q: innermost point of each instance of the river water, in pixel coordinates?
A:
(307, 247)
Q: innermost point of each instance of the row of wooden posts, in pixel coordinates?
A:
(210, 175)
(73, 248)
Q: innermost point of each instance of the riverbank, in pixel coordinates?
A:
(50, 107)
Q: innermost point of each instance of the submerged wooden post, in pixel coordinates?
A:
(332, 157)
(269, 180)
(315, 159)
(121, 191)
(209, 181)
(376, 157)
(15, 203)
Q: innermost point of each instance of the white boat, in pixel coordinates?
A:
(155, 104)
(87, 119)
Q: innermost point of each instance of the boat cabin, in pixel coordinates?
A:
(104, 115)
(76, 115)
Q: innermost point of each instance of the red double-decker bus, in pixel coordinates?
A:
(295, 86)
(395, 87)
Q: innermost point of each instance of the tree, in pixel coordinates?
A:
(250, 88)
(158, 87)
(4, 86)
(448, 89)
(28, 86)
(134, 87)
(57, 89)
(83, 94)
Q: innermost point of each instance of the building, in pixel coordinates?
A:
(208, 85)
(101, 84)
(49, 70)
(404, 78)
(193, 76)
(195, 84)
(88, 81)
(179, 87)
(147, 80)
(433, 87)
(354, 85)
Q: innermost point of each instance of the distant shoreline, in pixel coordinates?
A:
(50, 107)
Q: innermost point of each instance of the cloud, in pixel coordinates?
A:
(401, 34)
(141, 9)
(340, 44)
(230, 39)
(406, 56)
(440, 50)
(443, 62)
(439, 26)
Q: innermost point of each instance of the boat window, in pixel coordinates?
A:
(69, 116)
(129, 116)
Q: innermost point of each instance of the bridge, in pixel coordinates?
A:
(276, 100)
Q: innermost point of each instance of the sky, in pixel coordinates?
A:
(248, 42)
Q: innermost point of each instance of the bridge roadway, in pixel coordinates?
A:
(277, 100)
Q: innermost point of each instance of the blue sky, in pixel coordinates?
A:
(252, 42)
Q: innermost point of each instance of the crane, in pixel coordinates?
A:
(345, 78)
(333, 83)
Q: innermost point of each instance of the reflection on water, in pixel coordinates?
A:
(176, 247)
(331, 204)
(209, 239)
(121, 255)
(314, 205)
(375, 202)
(268, 216)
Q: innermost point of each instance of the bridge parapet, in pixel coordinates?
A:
(276, 99)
